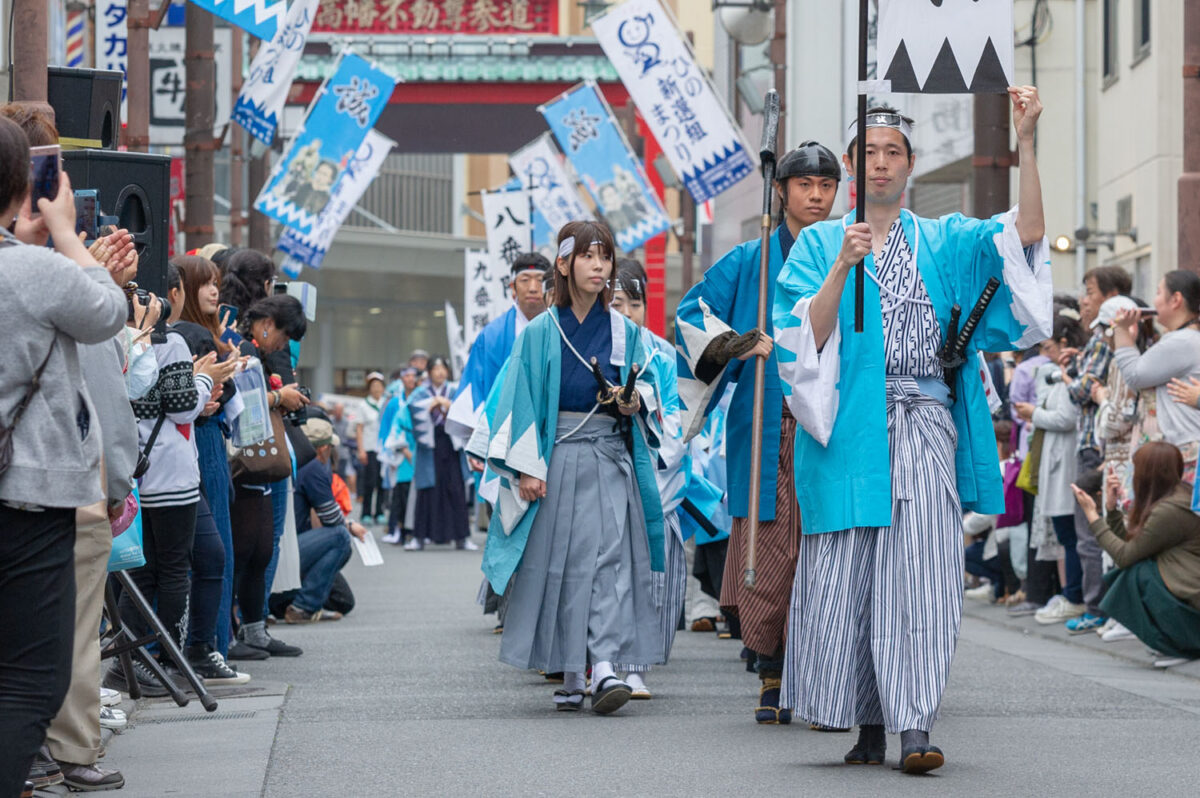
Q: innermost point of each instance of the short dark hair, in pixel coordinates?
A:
(1110, 280)
(629, 271)
(584, 233)
(883, 109)
(14, 163)
(530, 260)
(1187, 284)
(284, 311)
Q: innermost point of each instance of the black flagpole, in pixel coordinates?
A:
(860, 158)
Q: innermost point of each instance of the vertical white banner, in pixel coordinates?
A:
(112, 40)
(540, 169)
(486, 294)
(509, 226)
(259, 107)
(676, 97)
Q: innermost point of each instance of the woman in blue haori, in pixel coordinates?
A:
(887, 461)
(629, 299)
(578, 517)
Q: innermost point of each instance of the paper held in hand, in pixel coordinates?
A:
(368, 550)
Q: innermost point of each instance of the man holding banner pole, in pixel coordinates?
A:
(896, 440)
(717, 336)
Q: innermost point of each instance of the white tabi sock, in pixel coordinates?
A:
(600, 672)
(635, 681)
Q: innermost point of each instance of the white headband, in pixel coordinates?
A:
(882, 119)
(568, 246)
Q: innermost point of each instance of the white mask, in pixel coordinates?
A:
(142, 371)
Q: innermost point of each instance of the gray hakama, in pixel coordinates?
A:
(875, 611)
(669, 587)
(583, 590)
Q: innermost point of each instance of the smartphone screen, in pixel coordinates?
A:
(85, 213)
(227, 315)
(46, 169)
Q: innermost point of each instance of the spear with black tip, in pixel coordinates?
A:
(767, 156)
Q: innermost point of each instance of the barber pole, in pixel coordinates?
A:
(76, 23)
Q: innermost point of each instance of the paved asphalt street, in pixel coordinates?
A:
(405, 697)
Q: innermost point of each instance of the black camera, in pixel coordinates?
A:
(300, 414)
(142, 297)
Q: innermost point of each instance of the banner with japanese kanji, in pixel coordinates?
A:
(539, 168)
(676, 97)
(486, 296)
(590, 137)
(344, 111)
(508, 216)
(516, 17)
(112, 40)
(260, 103)
(309, 250)
(260, 18)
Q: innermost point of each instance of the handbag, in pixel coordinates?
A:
(1014, 501)
(129, 511)
(127, 549)
(264, 462)
(6, 430)
(1027, 479)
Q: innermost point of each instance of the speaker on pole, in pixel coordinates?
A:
(135, 188)
(87, 106)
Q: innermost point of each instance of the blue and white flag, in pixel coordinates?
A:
(594, 144)
(539, 168)
(310, 249)
(676, 98)
(259, 106)
(261, 18)
(344, 111)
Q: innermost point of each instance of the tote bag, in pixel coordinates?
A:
(127, 545)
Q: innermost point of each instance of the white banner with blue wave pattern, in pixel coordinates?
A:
(259, 105)
(590, 137)
(309, 250)
(676, 97)
(344, 111)
(260, 18)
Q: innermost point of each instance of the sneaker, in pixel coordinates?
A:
(1118, 632)
(985, 593)
(109, 698)
(413, 545)
(44, 772)
(368, 520)
(381, 520)
(1109, 624)
(210, 666)
(275, 648)
(466, 545)
(1013, 599)
(390, 537)
(1022, 608)
(329, 615)
(91, 778)
(241, 650)
(1171, 662)
(113, 718)
(1059, 612)
(146, 680)
(1085, 623)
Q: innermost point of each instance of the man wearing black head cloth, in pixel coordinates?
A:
(713, 350)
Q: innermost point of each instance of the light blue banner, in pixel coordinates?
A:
(260, 18)
(589, 136)
(305, 178)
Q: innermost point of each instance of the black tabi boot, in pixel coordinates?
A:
(871, 746)
(917, 755)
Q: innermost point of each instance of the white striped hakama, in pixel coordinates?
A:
(669, 588)
(875, 611)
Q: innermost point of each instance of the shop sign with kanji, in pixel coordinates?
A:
(438, 16)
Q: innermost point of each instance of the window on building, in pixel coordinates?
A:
(1109, 55)
(1141, 30)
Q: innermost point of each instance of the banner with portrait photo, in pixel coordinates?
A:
(343, 112)
(259, 105)
(590, 137)
(539, 168)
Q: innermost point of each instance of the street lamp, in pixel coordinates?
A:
(1091, 239)
(746, 21)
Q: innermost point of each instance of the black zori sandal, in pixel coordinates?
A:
(870, 748)
(610, 695)
(572, 700)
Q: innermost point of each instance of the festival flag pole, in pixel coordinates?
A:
(860, 158)
(767, 156)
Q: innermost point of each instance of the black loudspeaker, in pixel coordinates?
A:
(87, 106)
(135, 187)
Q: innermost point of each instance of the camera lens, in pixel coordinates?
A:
(166, 308)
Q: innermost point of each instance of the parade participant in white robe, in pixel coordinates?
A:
(578, 517)
(711, 355)
(887, 462)
(629, 299)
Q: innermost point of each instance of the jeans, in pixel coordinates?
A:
(989, 569)
(1064, 530)
(208, 578)
(37, 632)
(164, 580)
(323, 552)
(280, 496)
(218, 490)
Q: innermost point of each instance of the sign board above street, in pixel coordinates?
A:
(427, 17)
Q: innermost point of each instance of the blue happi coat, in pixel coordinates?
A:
(520, 424)
(843, 469)
(489, 351)
(727, 299)
(419, 405)
(708, 479)
(396, 436)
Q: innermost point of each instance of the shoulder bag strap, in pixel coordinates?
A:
(33, 385)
